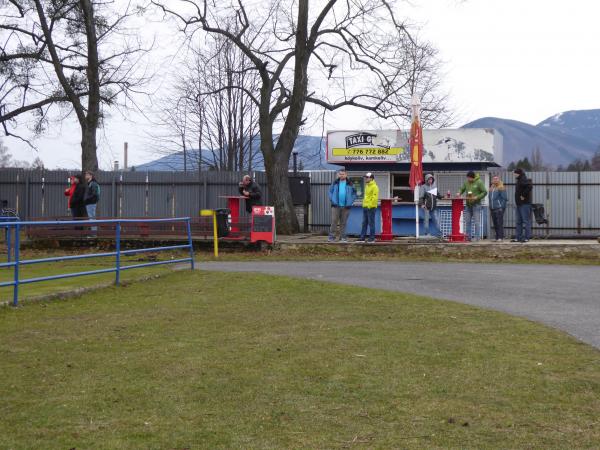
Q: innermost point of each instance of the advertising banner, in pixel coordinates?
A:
(391, 146)
(381, 146)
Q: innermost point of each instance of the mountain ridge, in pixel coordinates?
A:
(561, 138)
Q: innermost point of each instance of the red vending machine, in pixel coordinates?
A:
(263, 224)
(457, 212)
(386, 220)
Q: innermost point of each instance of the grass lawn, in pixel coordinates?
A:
(212, 360)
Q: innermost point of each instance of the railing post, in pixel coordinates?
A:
(8, 243)
(17, 262)
(189, 231)
(118, 245)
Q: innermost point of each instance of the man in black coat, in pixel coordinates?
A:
(523, 191)
(250, 190)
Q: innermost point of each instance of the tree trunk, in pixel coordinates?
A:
(276, 167)
(89, 158)
(277, 159)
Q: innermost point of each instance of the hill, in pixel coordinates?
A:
(561, 138)
(311, 156)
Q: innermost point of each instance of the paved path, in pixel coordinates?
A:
(564, 297)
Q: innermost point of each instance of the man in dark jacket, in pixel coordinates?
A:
(92, 194)
(341, 195)
(523, 188)
(250, 190)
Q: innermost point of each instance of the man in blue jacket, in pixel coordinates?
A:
(341, 196)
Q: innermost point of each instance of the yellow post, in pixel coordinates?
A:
(210, 212)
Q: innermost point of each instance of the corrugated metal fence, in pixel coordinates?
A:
(122, 194)
(571, 199)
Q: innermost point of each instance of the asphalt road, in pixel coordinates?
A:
(564, 297)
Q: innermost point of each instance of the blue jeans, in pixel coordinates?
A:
(523, 230)
(472, 221)
(498, 221)
(91, 212)
(435, 218)
(368, 220)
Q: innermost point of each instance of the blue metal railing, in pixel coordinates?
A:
(17, 226)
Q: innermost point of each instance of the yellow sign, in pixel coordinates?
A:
(368, 151)
(206, 212)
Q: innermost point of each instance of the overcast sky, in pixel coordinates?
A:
(516, 59)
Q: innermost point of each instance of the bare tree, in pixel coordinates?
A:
(204, 115)
(65, 56)
(338, 54)
(424, 80)
(537, 161)
(5, 156)
(6, 160)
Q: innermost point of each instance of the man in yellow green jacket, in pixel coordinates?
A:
(369, 205)
(475, 191)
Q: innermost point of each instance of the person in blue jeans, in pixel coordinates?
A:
(428, 197)
(523, 191)
(92, 196)
(369, 205)
(341, 196)
(498, 200)
(476, 192)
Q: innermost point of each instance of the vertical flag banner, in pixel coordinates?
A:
(416, 158)
(416, 147)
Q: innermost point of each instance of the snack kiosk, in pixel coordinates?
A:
(448, 154)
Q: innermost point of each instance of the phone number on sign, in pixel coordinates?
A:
(366, 151)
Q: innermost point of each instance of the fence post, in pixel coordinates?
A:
(113, 197)
(189, 230)
(27, 198)
(578, 202)
(8, 243)
(118, 262)
(17, 262)
(205, 193)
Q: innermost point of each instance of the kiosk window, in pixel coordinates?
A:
(401, 187)
(263, 224)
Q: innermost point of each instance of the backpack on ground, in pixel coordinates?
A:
(539, 213)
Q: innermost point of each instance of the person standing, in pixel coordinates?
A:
(92, 194)
(77, 203)
(250, 190)
(369, 206)
(523, 190)
(475, 191)
(69, 191)
(341, 196)
(498, 201)
(428, 198)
